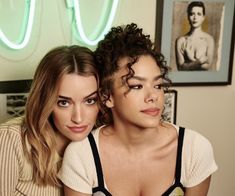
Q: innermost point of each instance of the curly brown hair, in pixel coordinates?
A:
(124, 41)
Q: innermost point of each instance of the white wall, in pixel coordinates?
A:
(207, 109)
(210, 110)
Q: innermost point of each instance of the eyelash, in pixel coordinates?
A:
(139, 86)
(135, 87)
(61, 103)
(93, 100)
(89, 101)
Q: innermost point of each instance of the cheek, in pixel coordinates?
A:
(59, 116)
(91, 113)
(56, 120)
(201, 19)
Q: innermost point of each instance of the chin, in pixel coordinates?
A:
(79, 137)
(150, 124)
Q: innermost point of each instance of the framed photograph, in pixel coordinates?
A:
(170, 106)
(12, 105)
(13, 95)
(197, 40)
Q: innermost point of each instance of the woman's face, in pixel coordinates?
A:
(76, 109)
(196, 17)
(142, 105)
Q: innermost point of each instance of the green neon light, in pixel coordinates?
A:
(99, 33)
(28, 23)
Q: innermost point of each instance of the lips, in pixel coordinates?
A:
(151, 111)
(78, 129)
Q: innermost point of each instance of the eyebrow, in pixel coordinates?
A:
(69, 98)
(144, 79)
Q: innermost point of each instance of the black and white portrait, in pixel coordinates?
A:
(196, 35)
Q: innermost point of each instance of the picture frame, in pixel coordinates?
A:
(170, 106)
(13, 98)
(15, 86)
(12, 105)
(172, 22)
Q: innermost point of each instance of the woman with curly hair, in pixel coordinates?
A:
(61, 106)
(136, 152)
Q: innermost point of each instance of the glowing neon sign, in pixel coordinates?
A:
(103, 26)
(29, 15)
(110, 6)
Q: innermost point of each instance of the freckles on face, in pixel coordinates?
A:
(76, 109)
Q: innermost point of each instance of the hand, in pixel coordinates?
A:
(203, 59)
(205, 66)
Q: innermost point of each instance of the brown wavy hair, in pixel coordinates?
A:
(124, 41)
(38, 129)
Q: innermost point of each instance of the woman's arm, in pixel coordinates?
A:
(179, 51)
(201, 189)
(184, 50)
(209, 52)
(70, 192)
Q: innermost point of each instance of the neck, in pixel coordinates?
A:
(136, 138)
(195, 31)
(61, 143)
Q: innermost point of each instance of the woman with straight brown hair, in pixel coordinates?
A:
(62, 106)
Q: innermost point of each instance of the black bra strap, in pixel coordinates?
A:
(179, 155)
(97, 160)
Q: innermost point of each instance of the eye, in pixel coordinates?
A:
(137, 86)
(91, 101)
(158, 86)
(63, 103)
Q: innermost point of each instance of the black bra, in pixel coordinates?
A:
(177, 188)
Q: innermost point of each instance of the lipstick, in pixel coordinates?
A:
(77, 129)
(151, 111)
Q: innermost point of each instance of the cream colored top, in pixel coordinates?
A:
(15, 170)
(78, 169)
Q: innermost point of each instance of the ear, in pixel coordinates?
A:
(110, 103)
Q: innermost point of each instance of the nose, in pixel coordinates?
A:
(76, 115)
(151, 97)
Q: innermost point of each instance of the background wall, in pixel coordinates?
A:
(208, 110)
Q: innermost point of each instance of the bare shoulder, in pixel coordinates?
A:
(169, 127)
(181, 39)
(208, 37)
(169, 133)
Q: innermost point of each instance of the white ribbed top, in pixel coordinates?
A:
(15, 170)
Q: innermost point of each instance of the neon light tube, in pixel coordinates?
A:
(79, 25)
(30, 10)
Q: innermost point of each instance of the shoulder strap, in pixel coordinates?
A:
(179, 155)
(97, 160)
